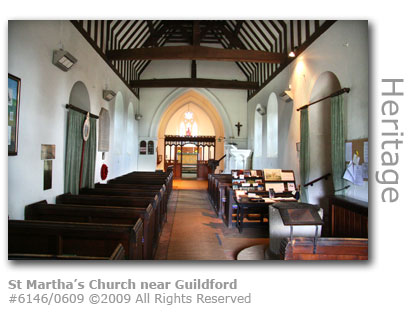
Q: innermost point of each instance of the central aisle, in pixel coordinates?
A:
(194, 232)
(196, 229)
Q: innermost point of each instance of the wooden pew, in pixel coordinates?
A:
(115, 201)
(215, 183)
(118, 254)
(222, 189)
(98, 214)
(73, 238)
(130, 190)
(141, 183)
(302, 248)
(230, 208)
(145, 178)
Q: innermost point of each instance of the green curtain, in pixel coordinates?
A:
(73, 151)
(90, 152)
(304, 154)
(337, 142)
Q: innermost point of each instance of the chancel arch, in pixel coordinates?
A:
(206, 121)
(204, 98)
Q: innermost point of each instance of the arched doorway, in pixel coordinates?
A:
(80, 152)
(79, 96)
(320, 137)
(210, 120)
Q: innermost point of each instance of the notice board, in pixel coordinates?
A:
(360, 147)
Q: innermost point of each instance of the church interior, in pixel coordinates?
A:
(188, 139)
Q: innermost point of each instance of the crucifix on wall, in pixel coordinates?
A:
(238, 125)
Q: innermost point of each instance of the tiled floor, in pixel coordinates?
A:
(194, 232)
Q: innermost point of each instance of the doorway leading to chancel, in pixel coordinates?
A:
(189, 155)
(191, 132)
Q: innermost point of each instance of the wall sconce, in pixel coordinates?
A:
(63, 59)
(108, 95)
(286, 95)
(261, 110)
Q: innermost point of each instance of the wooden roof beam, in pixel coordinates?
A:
(196, 53)
(194, 83)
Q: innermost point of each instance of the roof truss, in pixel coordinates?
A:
(258, 47)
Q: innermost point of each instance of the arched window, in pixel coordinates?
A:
(142, 147)
(272, 126)
(182, 129)
(195, 129)
(119, 123)
(130, 129)
(151, 147)
(188, 126)
(258, 133)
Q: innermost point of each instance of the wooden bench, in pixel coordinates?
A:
(99, 214)
(143, 178)
(213, 188)
(118, 254)
(134, 190)
(302, 248)
(230, 207)
(114, 201)
(74, 239)
(141, 185)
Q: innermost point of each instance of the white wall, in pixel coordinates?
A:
(343, 50)
(45, 91)
(233, 101)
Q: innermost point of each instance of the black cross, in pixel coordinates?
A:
(238, 125)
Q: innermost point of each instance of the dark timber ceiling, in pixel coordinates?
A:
(258, 47)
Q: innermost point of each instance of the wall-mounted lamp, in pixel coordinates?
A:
(261, 110)
(291, 54)
(108, 95)
(286, 95)
(63, 59)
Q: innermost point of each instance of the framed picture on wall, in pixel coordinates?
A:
(13, 101)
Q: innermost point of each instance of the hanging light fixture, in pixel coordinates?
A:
(108, 95)
(63, 59)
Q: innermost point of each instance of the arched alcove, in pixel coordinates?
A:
(320, 137)
(79, 96)
(258, 133)
(272, 126)
(119, 123)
